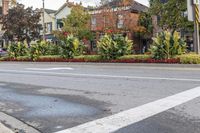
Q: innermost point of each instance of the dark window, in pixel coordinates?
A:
(59, 23)
(163, 1)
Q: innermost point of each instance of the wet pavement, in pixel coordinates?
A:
(43, 106)
(46, 113)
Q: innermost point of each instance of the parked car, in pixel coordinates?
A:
(3, 52)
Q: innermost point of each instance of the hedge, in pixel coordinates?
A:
(95, 58)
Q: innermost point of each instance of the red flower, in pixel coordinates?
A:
(109, 31)
(65, 33)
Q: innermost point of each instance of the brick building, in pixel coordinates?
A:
(118, 17)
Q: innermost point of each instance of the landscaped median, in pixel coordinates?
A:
(182, 59)
(167, 47)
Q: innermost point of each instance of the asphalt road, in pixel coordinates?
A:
(50, 97)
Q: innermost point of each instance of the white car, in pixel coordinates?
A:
(2, 52)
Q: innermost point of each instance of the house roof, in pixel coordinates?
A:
(135, 6)
(50, 11)
(66, 4)
(138, 7)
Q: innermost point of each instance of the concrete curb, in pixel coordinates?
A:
(4, 129)
(99, 63)
(15, 124)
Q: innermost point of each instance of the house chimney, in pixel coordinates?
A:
(5, 6)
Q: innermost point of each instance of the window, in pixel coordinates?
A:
(49, 27)
(59, 23)
(120, 22)
(93, 22)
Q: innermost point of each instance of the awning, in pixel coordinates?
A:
(50, 37)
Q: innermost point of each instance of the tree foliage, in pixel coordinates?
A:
(170, 14)
(145, 21)
(77, 22)
(21, 23)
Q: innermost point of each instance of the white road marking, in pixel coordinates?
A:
(126, 118)
(50, 69)
(99, 75)
(2, 84)
(4, 129)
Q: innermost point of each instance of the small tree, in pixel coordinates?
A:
(171, 14)
(113, 47)
(146, 25)
(77, 23)
(17, 49)
(21, 23)
(70, 47)
(167, 45)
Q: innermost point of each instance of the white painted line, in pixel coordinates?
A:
(50, 69)
(98, 75)
(115, 122)
(2, 84)
(4, 129)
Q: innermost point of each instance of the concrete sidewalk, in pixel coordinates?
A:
(4, 129)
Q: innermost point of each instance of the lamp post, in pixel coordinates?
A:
(43, 10)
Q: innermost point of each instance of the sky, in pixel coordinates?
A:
(55, 4)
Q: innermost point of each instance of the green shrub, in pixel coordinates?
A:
(167, 45)
(136, 57)
(50, 56)
(4, 58)
(71, 47)
(53, 49)
(23, 58)
(38, 49)
(17, 49)
(189, 59)
(43, 47)
(89, 58)
(112, 48)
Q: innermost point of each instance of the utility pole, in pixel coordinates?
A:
(43, 11)
(196, 26)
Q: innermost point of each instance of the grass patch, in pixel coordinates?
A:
(90, 58)
(135, 57)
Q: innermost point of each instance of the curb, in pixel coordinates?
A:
(115, 64)
(4, 129)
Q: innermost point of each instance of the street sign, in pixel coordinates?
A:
(190, 11)
(193, 7)
(197, 2)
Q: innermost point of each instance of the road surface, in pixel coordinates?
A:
(121, 98)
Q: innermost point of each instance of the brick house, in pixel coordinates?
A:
(118, 17)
